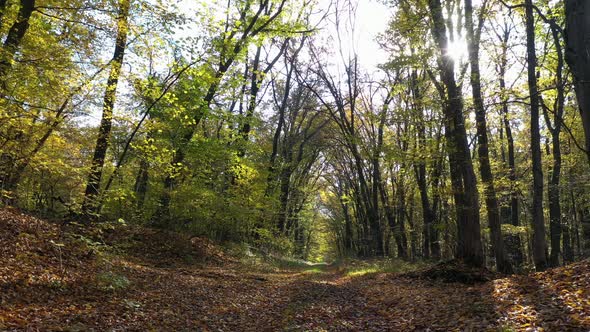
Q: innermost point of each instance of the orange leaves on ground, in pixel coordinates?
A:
(49, 282)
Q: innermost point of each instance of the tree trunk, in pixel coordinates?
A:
(555, 129)
(435, 247)
(15, 36)
(539, 243)
(400, 224)
(554, 203)
(277, 134)
(514, 246)
(463, 180)
(577, 14)
(391, 221)
(428, 233)
(568, 238)
(104, 131)
(141, 183)
(485, 169)
(285, 181)
(348, 235)
(427, 213)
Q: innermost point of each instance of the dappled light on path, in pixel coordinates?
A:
(59, 283)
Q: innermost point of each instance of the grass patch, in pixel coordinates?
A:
(359, 268)
(111, 281)
(314, 270)
(361, 272)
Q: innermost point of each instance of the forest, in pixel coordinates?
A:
(229, 165)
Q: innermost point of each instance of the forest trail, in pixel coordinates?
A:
(52, 281)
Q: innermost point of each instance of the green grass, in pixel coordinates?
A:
(358, 268)
(111, 281)
(314, 270)
(361, 272)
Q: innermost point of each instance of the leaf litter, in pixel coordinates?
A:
(62, 278)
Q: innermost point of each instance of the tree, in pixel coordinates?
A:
(14, 38)
(539, 244)
(104, 132)
(473, 38)
(577, 14)
(513, 244)
(236, 37)
(464, 183)
(554, 125)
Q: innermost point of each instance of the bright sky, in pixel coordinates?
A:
(371, 19)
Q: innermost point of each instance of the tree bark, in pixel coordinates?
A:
(502, 263)
(539, 243)
(463, 180)
(141, 183)
(104, 132)
(568, 230)
(429, 242)
(577, 54)
(256, 81)
(13, 40)
(555, 129)
(514, 245)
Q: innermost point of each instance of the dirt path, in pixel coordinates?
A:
(49, 282)
(220, 299)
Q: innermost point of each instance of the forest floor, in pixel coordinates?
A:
(132, 279)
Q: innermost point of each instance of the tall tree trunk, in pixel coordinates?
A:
(141, 183)
(348, 235)
(391, 221)
(554, 203)
(258, 75)
(427, 213)
(377, 186)
(400, 224)
(414, 231)
(577, 14)
(485, 169)
(568, 238)
(463, 180)
(255, 82)
(555, 129)
(285, 181)
(515, 246)
(384, 196)
(428, 232)
(435, 247)
(104, 131)
(16, 33)
(279, 129)
(539, 243)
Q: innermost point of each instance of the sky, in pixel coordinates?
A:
(371, 20)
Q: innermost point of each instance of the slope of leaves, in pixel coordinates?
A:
(141, 279)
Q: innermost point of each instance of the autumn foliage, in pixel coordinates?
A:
(56, 277)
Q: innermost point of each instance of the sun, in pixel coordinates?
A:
(457, 50)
